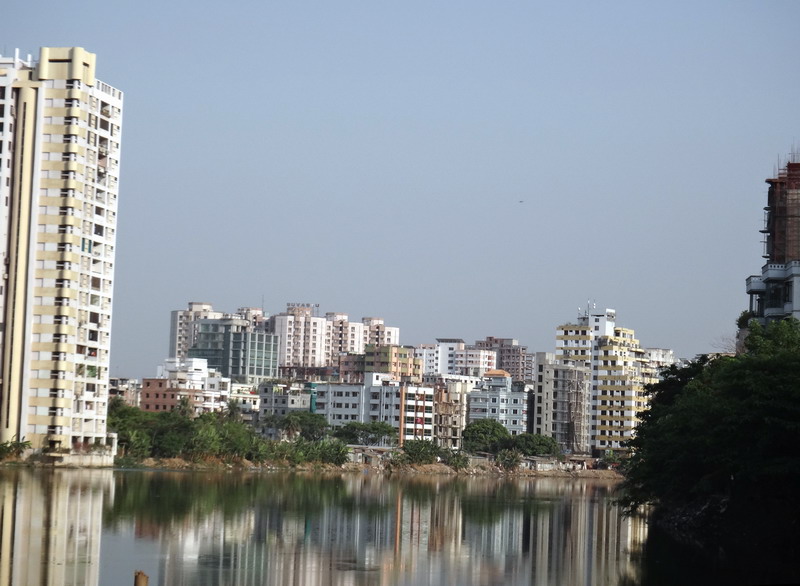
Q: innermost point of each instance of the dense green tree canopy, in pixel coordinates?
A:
(725, 430)
(533, 444)
(484, 435)
(309, 426)
(365, 434)
(169, 434)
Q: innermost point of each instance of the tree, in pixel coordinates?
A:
(309, 426)
(184, 407)
(777, 338)
(236, 439)
(533, 444)
(14, 448)
(421, 451)
(232, 411)
(484, 435)
(721, 436)
(290, 425)
(333, 451)
(138, 444)
(205, 441)
(509, 460)
(365, 434)
(170, 434)
(455, 459)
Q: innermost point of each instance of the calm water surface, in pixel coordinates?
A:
(98, 527)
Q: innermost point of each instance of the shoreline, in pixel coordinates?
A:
(180, 465)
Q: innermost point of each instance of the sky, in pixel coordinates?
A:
(461, 169)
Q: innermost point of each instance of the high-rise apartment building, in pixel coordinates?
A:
(453, 356)
(560, 406)
(235, 344)
(301, 337)
(496, 397)
(343, 336)
(511, 357)
(184, 324)
(775, 294)
(307, 345)
(381, 397)
(59, 167)
(309, 342)
(243, 352)
(620, 369)
(399, 361)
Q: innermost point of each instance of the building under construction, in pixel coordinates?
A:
(775, 293)
(561, 403)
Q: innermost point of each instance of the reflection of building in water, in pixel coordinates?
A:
(368, 529)
(572, 535)
(51, 527)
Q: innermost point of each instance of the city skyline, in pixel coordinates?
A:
(471, 173)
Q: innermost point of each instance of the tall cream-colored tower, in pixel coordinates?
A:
(59, 170)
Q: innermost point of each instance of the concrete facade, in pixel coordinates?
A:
(407, 408)
(60, 131)
(183, 327)
(205, 388)
(511, 357)
(620, 369)
(775, 293)
(397, 361)
(560, 404)
(453, 356)
(237, 346)
(496, 397)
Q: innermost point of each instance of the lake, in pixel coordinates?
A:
(97, 527)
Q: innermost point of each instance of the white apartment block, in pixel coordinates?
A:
(620, 369)
(60, 134)
(184, 325)
(301, 336)
(434, 379)
(342, 336)
(497, 398)
(408, 408)
(346, 337)
(310, 341)
(378, 333)
(453, 356)
(207, 390)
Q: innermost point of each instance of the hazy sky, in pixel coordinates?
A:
(460, 168)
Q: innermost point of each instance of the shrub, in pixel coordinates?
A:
(509, 460)
(421, 451)
(456, 460)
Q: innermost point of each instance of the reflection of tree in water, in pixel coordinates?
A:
(162, 497)
(487, 502)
